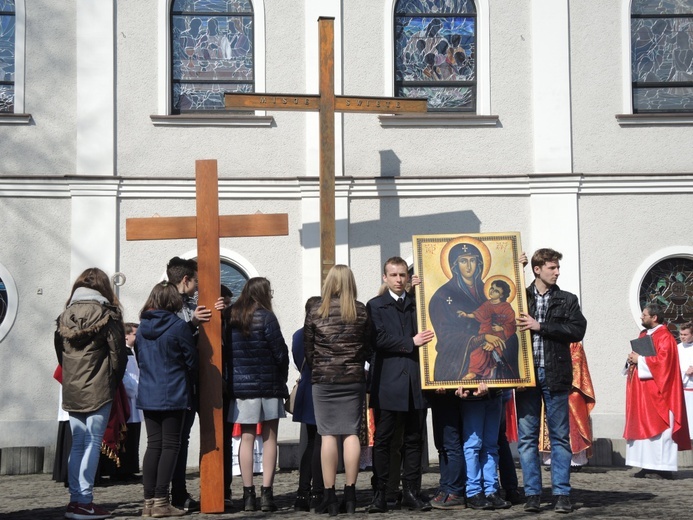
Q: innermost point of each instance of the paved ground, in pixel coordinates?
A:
(597, 493)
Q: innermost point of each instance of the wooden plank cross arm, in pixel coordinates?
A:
(326, 103)
(207, 227)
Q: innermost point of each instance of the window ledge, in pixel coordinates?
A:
(15, 119)
(437, 119)
(212, 120)
(664, 118)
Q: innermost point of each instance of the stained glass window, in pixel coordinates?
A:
(669, 283)
(435, 52)
(7, 50)
(212, 52)
(233, 278)
(662, 55)
(3, 300)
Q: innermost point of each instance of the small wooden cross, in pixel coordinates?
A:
(208, 227)
(326, 103)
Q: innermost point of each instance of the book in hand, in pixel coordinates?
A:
(643, 346)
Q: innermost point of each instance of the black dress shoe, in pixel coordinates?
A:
(563, 504)
(479, 501)
(379, 504)
(497, 502)
(513, 496)
(412, 502)
(533, 504)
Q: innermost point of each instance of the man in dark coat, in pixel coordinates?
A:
(396, 385)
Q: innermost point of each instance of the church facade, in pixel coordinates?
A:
(569, 122)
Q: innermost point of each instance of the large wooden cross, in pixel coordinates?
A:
(326, 103)
(207, 227)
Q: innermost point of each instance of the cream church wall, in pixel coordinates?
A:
(148, 150)
(50, 95)
(506, 148)
(609, 258)
(601, 145)
(382, 229)
(36, 240)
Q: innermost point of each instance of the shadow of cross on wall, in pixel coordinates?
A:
(391, 229)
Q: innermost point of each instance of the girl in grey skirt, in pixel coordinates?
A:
(337, 345)
(259, 361)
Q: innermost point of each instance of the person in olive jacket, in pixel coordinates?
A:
(90, 345)
(168, 361)
(259, 361)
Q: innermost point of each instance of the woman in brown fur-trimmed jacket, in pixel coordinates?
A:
(90, 345)
(337, 346)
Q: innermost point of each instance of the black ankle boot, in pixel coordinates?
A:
(329, 503)
(249, 501)
(315, 500)
(267, 500)
(348, 504)
(302, 502)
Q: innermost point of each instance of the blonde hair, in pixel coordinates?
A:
(339, 283)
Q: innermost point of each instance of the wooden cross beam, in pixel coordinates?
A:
(207, 227)
(326, 103)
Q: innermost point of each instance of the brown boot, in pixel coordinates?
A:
(147, 508)
(163, 508)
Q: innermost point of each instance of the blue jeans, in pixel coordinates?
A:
(481, 420)
(528, 404)
(87, 433)
(446, 412)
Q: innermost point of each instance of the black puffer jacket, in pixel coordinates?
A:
(336, 351)
(259, 363)
(564, 324)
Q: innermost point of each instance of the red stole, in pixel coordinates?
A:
(649, 401)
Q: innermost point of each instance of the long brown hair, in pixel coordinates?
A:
(164, 296)
(255, 294)
(94, 278)
(339, 283)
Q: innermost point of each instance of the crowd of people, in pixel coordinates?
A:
(352, 356)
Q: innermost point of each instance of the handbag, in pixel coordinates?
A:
(291, 400)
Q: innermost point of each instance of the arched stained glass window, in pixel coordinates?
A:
(435, 52)
(233, 277)
(212, 52)
(7, 55)
(662, 55)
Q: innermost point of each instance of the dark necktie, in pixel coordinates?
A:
(400, 303)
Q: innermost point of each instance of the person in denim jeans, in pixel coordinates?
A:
(481, 416)
(446, 413)
(90, 345)
(555, 321)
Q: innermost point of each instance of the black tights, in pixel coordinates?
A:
(310, 468)
(163, 442)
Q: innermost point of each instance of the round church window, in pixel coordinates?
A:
(233, 278)
(8, 301)
(669, 283)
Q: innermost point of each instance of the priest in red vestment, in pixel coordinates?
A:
(656, 423)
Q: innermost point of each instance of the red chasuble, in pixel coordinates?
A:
(649, 401)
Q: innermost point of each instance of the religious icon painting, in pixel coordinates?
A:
(471, 294)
